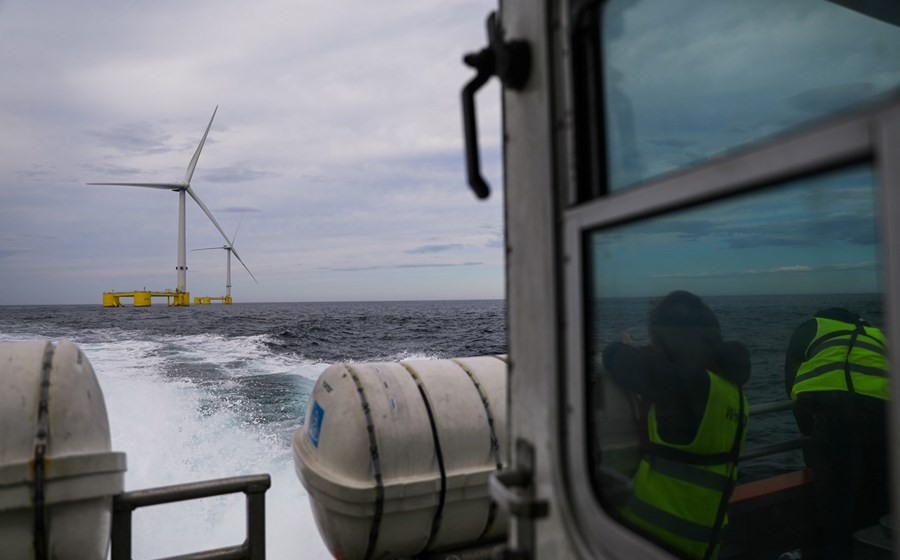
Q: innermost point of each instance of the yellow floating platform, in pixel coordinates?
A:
(206, 300)
(143, 298)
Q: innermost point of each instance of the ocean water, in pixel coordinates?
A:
(214, 391)
(202, 392)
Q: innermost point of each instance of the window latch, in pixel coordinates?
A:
(508, 60)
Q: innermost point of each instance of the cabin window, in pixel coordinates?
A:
(687, 80)
(760, 138)
(763, 262)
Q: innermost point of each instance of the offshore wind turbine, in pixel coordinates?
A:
(181, 188)
(229, 248)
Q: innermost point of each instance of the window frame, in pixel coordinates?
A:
(867, 134)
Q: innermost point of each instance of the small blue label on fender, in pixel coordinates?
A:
(315, 423)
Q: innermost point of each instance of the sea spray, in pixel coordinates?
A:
(170, 437)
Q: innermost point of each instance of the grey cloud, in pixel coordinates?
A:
(235, 175)
(854, 229)
(111, 170)
(37, 173)
(690, 229)
(315, 179)
(789, 269)
(496, 243)
(398, 266)
(845, 228)
(238, 209)
(427, 249)
(135, 139)
(10, 252)
(38, 236)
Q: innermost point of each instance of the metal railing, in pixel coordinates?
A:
(773, 448)
(253, 486)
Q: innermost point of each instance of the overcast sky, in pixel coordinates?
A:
(337, 145)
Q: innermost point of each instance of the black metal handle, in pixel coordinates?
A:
(483, 62)
(511, 62)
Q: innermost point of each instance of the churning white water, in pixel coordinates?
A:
(170, 437)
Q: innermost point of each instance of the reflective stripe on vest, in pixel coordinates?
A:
(678, 488)
(689, 473)
(660, 518)
(839, 348)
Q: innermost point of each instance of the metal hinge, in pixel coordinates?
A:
(513, 490)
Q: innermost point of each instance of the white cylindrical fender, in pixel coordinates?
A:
(57, 474)
(396, 456)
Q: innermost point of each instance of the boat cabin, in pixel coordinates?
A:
(744, 152)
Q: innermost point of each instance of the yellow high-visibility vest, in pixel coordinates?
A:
(840, 350)
(679, 489)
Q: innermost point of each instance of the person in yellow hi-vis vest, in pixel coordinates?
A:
(836, 368)
(690, 381)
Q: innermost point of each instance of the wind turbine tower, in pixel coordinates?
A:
(181, 296)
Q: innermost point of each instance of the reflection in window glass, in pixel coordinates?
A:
(730, 73)
(701, 314)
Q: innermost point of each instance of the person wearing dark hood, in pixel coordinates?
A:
(690, 382)
(836, 369)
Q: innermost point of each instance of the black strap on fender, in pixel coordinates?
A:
(439, 514)
(495, 443)
(376, 465)
(41, 437)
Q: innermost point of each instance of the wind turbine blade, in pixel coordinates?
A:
(207, 248)
(193, 164)
(245, 266)
(233, 237)
(199, 202)
(167, 186)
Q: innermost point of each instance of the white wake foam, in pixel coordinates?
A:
(170, 438)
